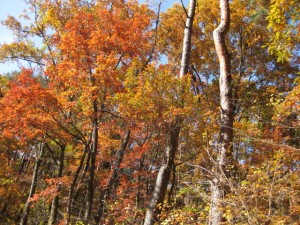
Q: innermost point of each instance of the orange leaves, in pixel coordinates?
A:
(135, 154)
(290, 104)
(104, 31)
(26, 108)
(52, 190)
(98, 45)
(125, 28)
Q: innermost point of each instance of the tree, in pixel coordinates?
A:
(128, 137)
(165, 171)
(227, 115)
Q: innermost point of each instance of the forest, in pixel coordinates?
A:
(123, 112)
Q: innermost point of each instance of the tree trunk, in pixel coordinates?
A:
(163, 176)
(93, 153)
(187, 40)
(227, 114)
(105, 192)
(165, 171)
(55, 201)
(26, 208)
(71, 192)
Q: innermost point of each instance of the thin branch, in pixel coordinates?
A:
(186, 13)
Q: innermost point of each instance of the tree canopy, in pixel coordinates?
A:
(126, 114)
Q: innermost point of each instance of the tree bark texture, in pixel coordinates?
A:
(187, 40)
(227, 114)
(163, 176)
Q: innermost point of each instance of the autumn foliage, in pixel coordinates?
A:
(85, 123)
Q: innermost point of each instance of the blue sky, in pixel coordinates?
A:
(16, 7)
(9, 7)
(13, 8)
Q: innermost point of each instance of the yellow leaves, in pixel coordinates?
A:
(19, 50)
(268, 182)
(282, 18)
(187, 215)
(3, 85)
(289, 104)
(247, 126)
(155, 95)
(50, 18)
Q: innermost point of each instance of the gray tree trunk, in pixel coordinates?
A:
(26, 208)
(187, 40)
(163, 176)
(227, 114)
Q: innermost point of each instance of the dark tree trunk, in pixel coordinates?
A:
(55, 201)
(92, 167)
(26, 208)
(72, 188)
(105, 192)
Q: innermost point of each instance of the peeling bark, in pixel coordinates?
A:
(227, 114)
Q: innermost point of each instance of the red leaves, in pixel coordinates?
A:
(27, 107)
(52, 190)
